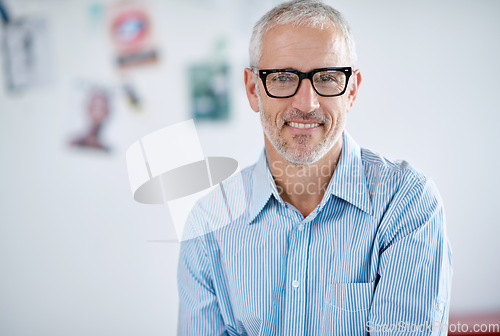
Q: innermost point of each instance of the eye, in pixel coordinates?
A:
(327, 78)
(282, 77)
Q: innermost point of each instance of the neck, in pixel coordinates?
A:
(303, 186)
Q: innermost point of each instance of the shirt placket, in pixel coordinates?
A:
(296, 279)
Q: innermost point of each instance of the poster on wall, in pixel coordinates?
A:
(91, 107)
(27, 61)
(209, 91)
(132, 35)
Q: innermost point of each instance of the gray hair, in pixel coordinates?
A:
(311, 13)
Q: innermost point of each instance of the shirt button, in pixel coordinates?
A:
(300, 227)
(295, 284)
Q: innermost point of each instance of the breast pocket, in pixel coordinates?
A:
(346, 308)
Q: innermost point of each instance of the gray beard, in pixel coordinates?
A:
(297, 157)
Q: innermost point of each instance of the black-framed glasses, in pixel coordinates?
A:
(284, 83)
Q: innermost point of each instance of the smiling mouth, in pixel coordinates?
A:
(302, 125)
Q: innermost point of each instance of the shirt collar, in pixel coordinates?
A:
(348, 181)
(263, 186)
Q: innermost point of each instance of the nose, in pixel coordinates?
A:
(306, 99)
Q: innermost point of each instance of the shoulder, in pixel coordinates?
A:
(401, 170)
(393, 180)
(222, 205)
(409, 198)
(235, 186)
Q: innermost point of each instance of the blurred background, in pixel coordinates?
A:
(82, 80)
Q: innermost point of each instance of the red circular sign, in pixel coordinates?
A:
(130, 28)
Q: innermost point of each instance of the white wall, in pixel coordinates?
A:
(75, 250)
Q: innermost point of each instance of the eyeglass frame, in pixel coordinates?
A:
(263, 73)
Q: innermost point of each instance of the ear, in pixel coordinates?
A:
(250, 88)
(354, 87)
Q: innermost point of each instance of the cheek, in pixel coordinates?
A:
(272, 110)
(337, 112)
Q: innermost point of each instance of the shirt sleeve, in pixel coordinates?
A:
(412, 292)
(199, 312)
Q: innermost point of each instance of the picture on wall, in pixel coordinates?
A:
(92, 110)
(132, 34)
(27, 61)
(209, 88)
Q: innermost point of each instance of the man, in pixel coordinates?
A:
(334, 239)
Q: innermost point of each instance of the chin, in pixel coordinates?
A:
(306, 154)
(303, 156)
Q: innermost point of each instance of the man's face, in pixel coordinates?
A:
(301, 48)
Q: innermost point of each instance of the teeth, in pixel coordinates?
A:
(298, 125)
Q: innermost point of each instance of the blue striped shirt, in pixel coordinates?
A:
(372, 258)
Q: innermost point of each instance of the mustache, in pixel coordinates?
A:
(312, 117)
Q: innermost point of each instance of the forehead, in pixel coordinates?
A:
(303, 48)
